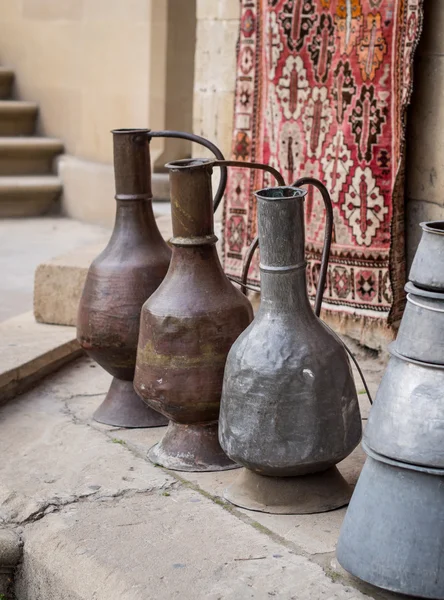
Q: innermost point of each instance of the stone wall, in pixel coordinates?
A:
(425, 140)
(95, 65)
(215, 74)
(215, 70)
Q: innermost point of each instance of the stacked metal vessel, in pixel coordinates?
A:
(393, 532)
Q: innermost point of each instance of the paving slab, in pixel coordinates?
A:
(101, 522)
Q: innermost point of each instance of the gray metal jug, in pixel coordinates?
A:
(289, 405)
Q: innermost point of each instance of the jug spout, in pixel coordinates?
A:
(191, 201)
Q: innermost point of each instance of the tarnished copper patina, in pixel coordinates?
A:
(125, 274)
(187, 328)
(119, 281)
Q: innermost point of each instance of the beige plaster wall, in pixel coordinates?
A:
(95, 65)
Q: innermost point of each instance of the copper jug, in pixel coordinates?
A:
(124, 275)
(187, 328)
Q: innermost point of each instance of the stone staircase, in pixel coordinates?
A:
(28, 186)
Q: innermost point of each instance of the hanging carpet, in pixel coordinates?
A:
(322, 88)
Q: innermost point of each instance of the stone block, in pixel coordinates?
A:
(218, 10)
(52, 9)
(58, 285)
(31, 350)
(10, 555)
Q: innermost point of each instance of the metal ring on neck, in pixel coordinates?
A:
(270, 269)
(410, 299)
(203, 240)
(400, 464)
(133, 196)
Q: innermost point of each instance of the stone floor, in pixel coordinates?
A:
(100, 522)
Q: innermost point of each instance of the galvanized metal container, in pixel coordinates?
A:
(393, 531)
(427, 269)
(406, 422)
(421, 333)
(289, 405)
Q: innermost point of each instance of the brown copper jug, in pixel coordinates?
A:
(187, 328)
(123, 276)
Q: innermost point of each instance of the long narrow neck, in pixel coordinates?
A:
(282, 254)
(135, 220)
(285, 292)
(192, 204)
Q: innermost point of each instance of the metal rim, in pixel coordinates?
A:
(399, 464)
(392, 350)
(415, 303)
(189, 163)
(273, 194)
(411, 288)
(130, 130)
(436, 227)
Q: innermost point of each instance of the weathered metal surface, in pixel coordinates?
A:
(421, 333)
(191, 448)
(406, 422)
(307, 494)
(121, 278)
(188, 326)
(393, 531)
(427, 269)
(123, 406)
(289, 404)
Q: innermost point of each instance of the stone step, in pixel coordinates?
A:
(6, 81)
(28, 196)
(17, 117)
(28, 155)
(30, 351)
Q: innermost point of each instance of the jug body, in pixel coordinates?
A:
(188, 326)
(120, 279)
(289, 405)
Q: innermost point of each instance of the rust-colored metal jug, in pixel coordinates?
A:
(124, 275)
(187, 328)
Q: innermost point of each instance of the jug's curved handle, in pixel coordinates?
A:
(203, 142)
(327, 237)
(255, 242)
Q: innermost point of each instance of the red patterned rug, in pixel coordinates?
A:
(322, 89)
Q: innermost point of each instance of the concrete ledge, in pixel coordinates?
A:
(58, 283)
(31, 351)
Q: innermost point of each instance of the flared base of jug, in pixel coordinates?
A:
(305, 494)
(193, 448)
(122, 407)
